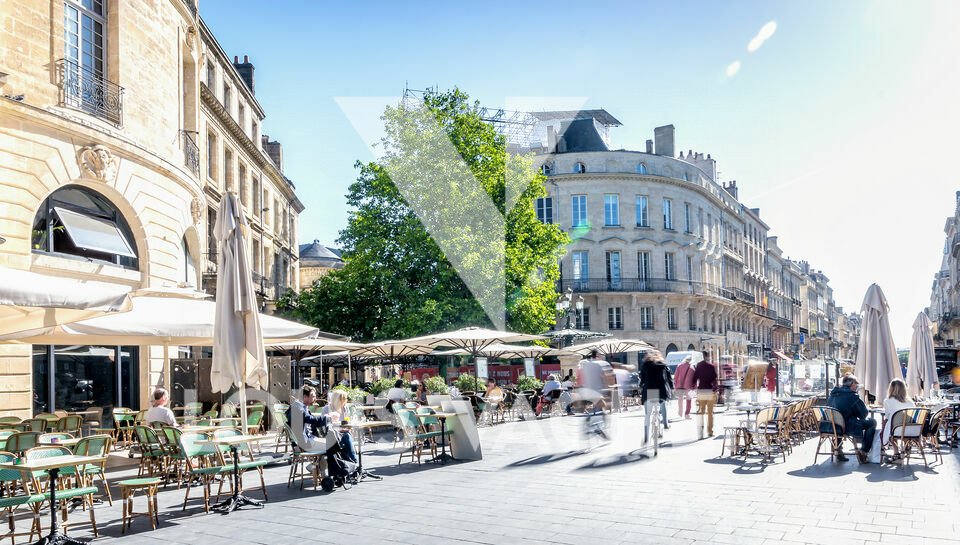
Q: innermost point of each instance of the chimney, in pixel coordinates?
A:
(551, 139)
(663, 140)
(731, 188)
(245, 69)
(274, 151)
(650, 151)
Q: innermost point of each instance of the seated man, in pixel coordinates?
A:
(311, 431)
(844, 398)
(159, 412)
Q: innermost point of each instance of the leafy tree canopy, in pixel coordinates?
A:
(442, 234)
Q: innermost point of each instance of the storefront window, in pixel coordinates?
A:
(85, 377)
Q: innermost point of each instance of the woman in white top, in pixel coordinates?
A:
(896, 400)
(397, 393)
(336, 407)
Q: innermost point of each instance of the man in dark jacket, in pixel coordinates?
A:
(844, 399)
(706, 383)
(310, 431)
(656, 388)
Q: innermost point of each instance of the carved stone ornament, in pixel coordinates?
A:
(191, 39)
(96, 161)
(196, 211)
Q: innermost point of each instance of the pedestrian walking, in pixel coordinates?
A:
(706, 384)
(683, 379)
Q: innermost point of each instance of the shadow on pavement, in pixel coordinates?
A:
(743, 467)
(610, 461)
(547, 458)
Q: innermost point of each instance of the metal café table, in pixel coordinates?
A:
(52, 466)
(236, 500)
(442, 417)
(69, 443)
(361, 426)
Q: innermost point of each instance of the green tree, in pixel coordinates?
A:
(445, 172)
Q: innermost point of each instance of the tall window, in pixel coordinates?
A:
(211, 75)
(228, 170)
(80, 222)
(643, 218)
(583, 319)
(646, 317)
(672, 318)
(669, 271)
(641, 168)
(613, 269)
(687, 219)
(689, 268)
(611, 209)
(667, 214)
(545, 209)
(615, 318)
(84, 22)
(242, 177)
(211, 156)
(692, 319)
(579, 211)
(546, 169)
(580, 267)
(643, 265)
(226, 96)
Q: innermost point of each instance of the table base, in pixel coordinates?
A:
(233, 503)
(61, 539)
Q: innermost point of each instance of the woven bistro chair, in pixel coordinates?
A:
(72, 424)
(831, 428)
(906, 433)
(94, 445)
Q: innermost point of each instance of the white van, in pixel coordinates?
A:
(674, 359)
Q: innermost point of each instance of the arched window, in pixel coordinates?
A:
(80, 222)
(671, 348)
(641, 168)
(579, 168)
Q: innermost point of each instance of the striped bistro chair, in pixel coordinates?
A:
(10, 502)
(832, 427)
(906, 433)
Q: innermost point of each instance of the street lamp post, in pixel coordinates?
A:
(573, 310)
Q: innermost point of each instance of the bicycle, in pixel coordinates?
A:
(656, 430)
(595, 423)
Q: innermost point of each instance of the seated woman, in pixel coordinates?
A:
(896, 400)
(494, 393)
(310, 431)
(419, 392)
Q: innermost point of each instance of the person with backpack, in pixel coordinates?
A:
(656, 388)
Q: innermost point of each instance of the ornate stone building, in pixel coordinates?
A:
(944, 309)
(662, 251)
(121, 125)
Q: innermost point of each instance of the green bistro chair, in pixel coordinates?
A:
(175, 458)
(72, 424)
(193, 408)
(152, 453)
(9, 483)
(201, 463)
(66, 493)
(228, 410)
(10, 420)
(255, 418)
(19, 443)
(280, 420)
(415, 436)
(229, 423)
(243, 466)
(94, 445)
(3, 438)
(38, 425)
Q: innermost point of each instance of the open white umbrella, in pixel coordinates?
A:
(922, 364)
(474, 339)
(877, 362)
(32, 301)
(239, 358)
(610, 346)
(309, 349)
(500, 350)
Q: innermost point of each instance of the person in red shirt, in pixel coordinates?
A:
(771, 378)
(683, 379)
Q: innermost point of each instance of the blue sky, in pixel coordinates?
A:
(840, 127)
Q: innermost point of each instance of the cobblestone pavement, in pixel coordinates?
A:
(541, 482)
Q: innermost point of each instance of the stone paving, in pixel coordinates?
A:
(542, 482)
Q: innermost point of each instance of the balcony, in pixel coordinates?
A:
(83, 90)
(191, 153)
(650, 285)
(765, 312)
(744, 296)
(785, 323)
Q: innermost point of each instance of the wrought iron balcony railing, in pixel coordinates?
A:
(785, 322)
(745, 296)
(639, 285)
(191, 153)
(83, 90)
(765, 312)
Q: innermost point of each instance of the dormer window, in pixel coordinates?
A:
(579, 168)
(546, 169)
(641, 168)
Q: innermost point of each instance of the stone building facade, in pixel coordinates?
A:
(944, 309)
(317, 260)
(664, 252)
(106, 109)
